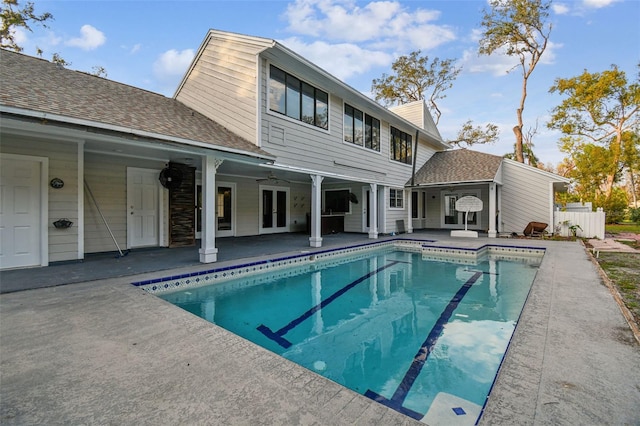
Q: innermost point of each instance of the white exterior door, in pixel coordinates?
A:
(20, 205)
(274, 209)
(143, 207)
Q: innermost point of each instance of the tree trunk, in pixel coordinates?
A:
(517, 130)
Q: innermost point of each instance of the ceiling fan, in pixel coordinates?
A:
(271, 177)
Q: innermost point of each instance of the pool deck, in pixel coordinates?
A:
(79, 347)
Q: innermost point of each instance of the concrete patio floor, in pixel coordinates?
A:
(105, 352)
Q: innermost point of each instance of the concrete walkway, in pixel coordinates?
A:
(105, 352)
(611, 244)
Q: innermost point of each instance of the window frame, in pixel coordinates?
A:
(400, 146)
(395, 195)
(296, 91)
(370, 133)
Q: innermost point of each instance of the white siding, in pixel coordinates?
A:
(525, 198)
(107, 177)
(222, 85)
(313, 148)
(63, 202)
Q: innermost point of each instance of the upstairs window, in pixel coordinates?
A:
(400, 146)
(296, 99)
(361, 129)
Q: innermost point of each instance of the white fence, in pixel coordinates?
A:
(591, 224)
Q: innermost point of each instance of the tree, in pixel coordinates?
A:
(98, 71)
(600, 109)
(518, 28)
(470, 134)
(13, 18)
(414, 76)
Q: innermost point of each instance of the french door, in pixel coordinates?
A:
(274, 209)
(454, 219)
(225, 209)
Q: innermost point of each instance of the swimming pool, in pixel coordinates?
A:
(420, 331)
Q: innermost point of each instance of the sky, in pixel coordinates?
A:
(150, 44)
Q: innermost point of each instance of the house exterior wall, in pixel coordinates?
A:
(301, 145)
(435, 208)
(63, 202)
(525, 197)
(223, 83)
(107, 178)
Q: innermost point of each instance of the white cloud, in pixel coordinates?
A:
(598, 4)
(135, 49)
(560, 8)
(499, 63)
(90, 38)
(172, 63)
(383, 24)
(342, 60)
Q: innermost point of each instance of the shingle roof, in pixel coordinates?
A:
(459, 165)
(38, 85)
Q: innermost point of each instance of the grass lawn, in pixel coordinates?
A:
(619, 228)
(623, 269)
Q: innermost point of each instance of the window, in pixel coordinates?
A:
(361, 129)
(395, 198)
(414, 204)
(296, 99)
(400, 147)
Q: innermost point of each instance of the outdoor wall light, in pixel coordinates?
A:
(56, 183)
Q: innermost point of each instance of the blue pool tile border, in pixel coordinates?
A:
(225, 273)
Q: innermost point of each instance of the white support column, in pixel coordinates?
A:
(373, 211)
(208, 250)
(500, 227)
(492, 210)
(315, 240)
(382, 210)
(409, 198)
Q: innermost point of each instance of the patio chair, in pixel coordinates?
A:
(535, 229)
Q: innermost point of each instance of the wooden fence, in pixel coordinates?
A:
(588, 224)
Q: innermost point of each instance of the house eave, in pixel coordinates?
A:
(40, 115)
(450, 183)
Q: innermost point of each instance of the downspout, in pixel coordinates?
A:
(415, 159)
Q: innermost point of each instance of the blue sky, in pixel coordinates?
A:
(149, 44)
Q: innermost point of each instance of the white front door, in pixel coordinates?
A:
(143, 206)
(20, 204)
(274, 209)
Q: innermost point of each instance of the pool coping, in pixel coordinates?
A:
(238, 270)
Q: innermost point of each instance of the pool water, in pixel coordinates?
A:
(423, 337)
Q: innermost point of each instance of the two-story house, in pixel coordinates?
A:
(256, 140)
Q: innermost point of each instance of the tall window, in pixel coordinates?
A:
(414, 204)
(400, 147)
(361, 129)
(294, 98)
(395, 198)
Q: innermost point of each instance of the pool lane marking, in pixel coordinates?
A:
(420, 358)
(276, 336)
